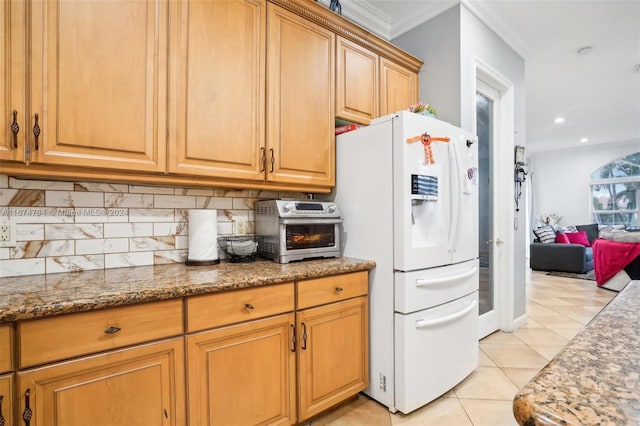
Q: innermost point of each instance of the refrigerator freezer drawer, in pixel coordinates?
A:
(426, 288)
(435, 350)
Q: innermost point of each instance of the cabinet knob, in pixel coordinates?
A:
(112, 330)
(248, 306)
(339, 289)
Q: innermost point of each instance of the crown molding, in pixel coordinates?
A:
(492, 19)
(366, 14)
(369, 16)
(422, 13)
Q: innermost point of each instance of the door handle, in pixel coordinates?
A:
(499, 242)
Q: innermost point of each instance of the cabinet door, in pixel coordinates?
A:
(243, 374)
(300, 87)
(98, 83)
(333, 356)
(217, 97)
(12, 84)
(6, 400)
(140, 386)
(356, 82)
(398, 87)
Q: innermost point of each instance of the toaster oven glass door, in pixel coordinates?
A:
(310, 236)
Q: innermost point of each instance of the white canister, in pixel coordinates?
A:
(203, 237)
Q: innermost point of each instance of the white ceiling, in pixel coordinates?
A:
(598, 94)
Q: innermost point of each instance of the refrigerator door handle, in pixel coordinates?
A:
(448, 318)
(456, 190)
(421, 282)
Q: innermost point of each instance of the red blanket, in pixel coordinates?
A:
(610, 257)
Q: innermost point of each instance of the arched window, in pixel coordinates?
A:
(615, 192)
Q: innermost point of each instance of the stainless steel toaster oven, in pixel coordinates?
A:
(297, 230)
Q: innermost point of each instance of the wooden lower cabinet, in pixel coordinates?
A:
(6, 400)
(333, 357)
(138, 386)
(243, 374)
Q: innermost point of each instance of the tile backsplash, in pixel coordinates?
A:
(77, 226)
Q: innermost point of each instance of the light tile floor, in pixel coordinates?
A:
(557, 308)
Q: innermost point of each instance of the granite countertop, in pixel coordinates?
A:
(595, 380)
(38, 296)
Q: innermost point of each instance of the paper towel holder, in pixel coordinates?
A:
(203, 238)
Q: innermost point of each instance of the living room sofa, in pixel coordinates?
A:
(576, 258)
(560, 257)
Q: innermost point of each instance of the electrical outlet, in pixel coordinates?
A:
(7, 233)
(241, 227)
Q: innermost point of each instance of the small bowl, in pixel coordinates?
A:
(239, 248)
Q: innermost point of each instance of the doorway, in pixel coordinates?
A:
(494, 125)
(487, 104)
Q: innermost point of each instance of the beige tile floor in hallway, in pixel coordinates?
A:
(558, 308)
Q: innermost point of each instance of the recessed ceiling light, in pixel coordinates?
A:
(584, 50)
(583, 140)
(559, 120)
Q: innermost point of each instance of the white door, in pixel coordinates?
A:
(487, 116)
(422, 192)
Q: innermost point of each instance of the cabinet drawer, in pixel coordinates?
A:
(332, 289)
(5, 348)
(214, 310)
(55, 338)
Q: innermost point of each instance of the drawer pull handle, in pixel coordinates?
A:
(27, 413)
(248, 306)
(2, 419)
(339, 289)
(36, 132)
(112, 330)
(263, 159)
(304, 335)
(293, 338)
(14, 129)
(273, 160)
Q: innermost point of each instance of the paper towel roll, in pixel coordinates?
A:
(203, 237)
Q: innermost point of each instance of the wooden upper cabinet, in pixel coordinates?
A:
(356, 82)
(300, 104)
(12, 87)
(217, 97)
(398, 87)
(98, 83)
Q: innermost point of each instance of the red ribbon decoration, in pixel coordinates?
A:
(426, 140)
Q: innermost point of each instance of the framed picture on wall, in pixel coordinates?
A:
(519, 155)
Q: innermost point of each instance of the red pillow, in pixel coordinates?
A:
(579, 237)
(562, 238)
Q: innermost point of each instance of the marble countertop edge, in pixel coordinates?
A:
(40, 296)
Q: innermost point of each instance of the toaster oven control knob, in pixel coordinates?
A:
(331, 208)
(287, 207)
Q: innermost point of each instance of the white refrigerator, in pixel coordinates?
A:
(407, 187)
